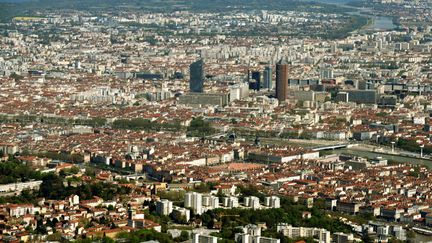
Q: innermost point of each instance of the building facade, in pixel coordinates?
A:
(196, 82)
(282, 81)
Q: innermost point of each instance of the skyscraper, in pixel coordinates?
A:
(196, 82)
(268, 83)
(255, 81)
(282, 80)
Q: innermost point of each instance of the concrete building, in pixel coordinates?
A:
(9, 148)
(342, 237)
(238, 91)
(348, 207)
(327, 73)
(210, 201)
(252, 234)
(252, 229)
(272, 202)
(194, 200)
(164, 207)
(200, 99)
(321, 235)
(362, 96)
(17, 188)
(198, 238)
(183, 212)
(252, 202)
(230, 202)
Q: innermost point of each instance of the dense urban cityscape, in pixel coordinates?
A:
(226, 121)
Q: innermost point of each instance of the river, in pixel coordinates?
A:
(396, 158)
(422, 238)
(379, 23)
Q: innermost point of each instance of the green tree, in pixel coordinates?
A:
(52, 187)
(184, 236)
(199, 128)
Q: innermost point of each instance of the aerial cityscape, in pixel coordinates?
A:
(216, 121)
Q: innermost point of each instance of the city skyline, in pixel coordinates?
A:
(197, 121)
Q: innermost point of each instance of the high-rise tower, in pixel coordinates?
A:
(268, 84)
(282, 80)
(196, 82)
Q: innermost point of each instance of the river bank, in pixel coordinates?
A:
(376, 23)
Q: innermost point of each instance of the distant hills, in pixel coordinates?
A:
(12, 8)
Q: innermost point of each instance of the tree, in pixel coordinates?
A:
(52, 187)
(199, 128)
(366, 238)
(410, 234)
(16, 77)
(178, 217)
(54, 237)
(41, 228)
(106, 239)
(184, 236)
(14, 171)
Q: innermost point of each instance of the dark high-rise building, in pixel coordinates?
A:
(282, 80)
(255, 81)
(196, 82)
(268, 83)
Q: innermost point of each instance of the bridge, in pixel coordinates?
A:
(132, 177)
(331, 147)
(422, 231)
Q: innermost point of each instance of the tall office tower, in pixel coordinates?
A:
(196, 82)
(282, 80)
(255, 81)
(268, 83)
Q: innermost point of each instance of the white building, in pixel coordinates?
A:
(164, 207)
(194, 200)
(246, 238)
(73, 199)
(214, 202)
(342, 237)
(272, 202)
(252, 229)
(20, 186)
(230, 202)
(238, 91)
(18, 210)
(183, 212)
(322, 235)
(197, 238)
(252, 202)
